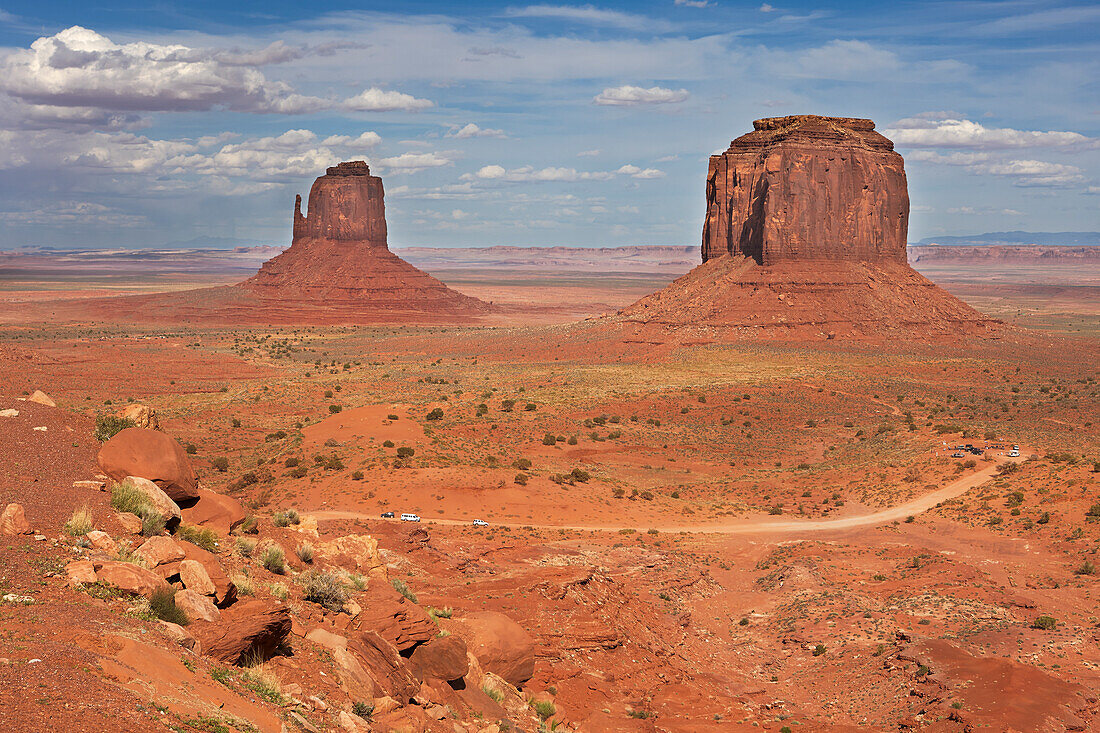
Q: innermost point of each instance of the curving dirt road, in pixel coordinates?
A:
(761, 525)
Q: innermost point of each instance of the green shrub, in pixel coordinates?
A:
(334, 409)
(387, 444)
(204, 537)
(521, 479)
(435, 414)
(250, 525)
(304, 552)
(1045, 623)
(357, 475)
(819, 650)
(549, 439)
(152, 523)
(125, 497)
(162, 602)
(494, 693)
(245, 547)
(543, 708)
(291, 462)
(274, 559)
(107, 426)
(80, 523)
(363, 710)
(579, 474)
(406, 452)
(220, 464)
(324, 588)
(401, 587)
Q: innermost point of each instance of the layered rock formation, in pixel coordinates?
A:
(340, 257)
(808, 188)
(804, 238)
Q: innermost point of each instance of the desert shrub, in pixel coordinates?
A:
(521, 463)
(125, 497)
(362, 709)
(235, 422)
(647, 495)
(107, 426)
(204, 537)
(80, 523)
(1044, 518)
(387, 444)
(1045, 623)
(391, 416)
(819, 650)
(440, 612)
(776, 509)
(640, 714)
(250, 525)
(543, 708)
(1086, 568)
(220, 464)
(1094, 512)
(406, 452)
(494, 693)
(298, 472)
(304, 552)
(245, 547)
(579, 474)
(291, 462)
(162, 602)
(263, 682)
(332, 463)
(507, 405)
(243, 583)
(572, 440)
(530, 407)
(618, 492)
(287, 518)
(334, 409)
(549, 439)
(274, 559)
(521, 479)
(324, 588)
(357, 475)
(435, 414)
(401, 587)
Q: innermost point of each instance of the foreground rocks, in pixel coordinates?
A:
(501, 645)
(247, 630)
(13, 520)
(151, 455)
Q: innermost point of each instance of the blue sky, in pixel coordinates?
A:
(524, 123)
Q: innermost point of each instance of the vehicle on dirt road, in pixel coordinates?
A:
(407, 517)
(480, 523)
(387, 515)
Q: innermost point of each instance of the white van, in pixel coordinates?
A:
(1014, 453)
(409, 518)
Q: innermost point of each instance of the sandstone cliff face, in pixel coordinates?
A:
(808, 188)
(340, 257)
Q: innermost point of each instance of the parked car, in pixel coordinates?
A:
(957, 454)
(480, 523)
(407, 517)
(387, 515)
(1014, 453)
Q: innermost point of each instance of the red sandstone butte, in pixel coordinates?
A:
(804, 238)
(808, 188)
(340, 257)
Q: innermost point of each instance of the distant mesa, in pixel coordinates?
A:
(804, 238)
(339, 254)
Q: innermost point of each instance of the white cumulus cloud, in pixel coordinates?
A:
(916, 132)
(629, 96)
(472, 130)
(414, 162)
(527, 173)
(386, 100)
(78, 67)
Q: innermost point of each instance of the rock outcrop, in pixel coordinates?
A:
(340, 256)
(808, 188)
(804, 239)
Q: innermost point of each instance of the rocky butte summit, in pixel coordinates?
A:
(805, 237)
(339, 255)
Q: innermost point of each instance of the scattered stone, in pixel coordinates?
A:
(143, 416)
(131, 523)
(501, 645)
(159, 550)
(303, 723)
(40, 538)
(178, 634)
(9, 412)
(102, 541)
(13, 520)
(216, 511)
(40, 428)
(151, 455)
(97, 485)
(197, 606)
(128, 577)
(393, 617)
(41, 398)
(317, 703)
(246, 629)
(352, 723)
(160, 500)
(16, 599)
(80, 572)
(195, 578)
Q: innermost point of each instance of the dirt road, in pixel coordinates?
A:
(761, 525)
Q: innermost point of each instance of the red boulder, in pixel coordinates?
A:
(152, 455)
(247, 629)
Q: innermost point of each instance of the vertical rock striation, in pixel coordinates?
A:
(808, 188)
